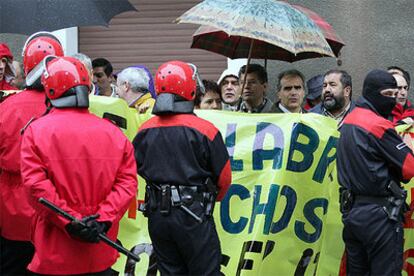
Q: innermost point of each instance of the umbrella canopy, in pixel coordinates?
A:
(267, 22)
(219, 42)
(30, 16)
(334, 41)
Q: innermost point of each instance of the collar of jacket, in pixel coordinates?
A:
(243, 107)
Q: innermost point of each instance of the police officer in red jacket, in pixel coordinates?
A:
(15, 112)
(84, 165)
(372, 161)
(186, 167)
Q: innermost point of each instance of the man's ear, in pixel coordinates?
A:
(347, 91)
(265, 89)
(128, 86)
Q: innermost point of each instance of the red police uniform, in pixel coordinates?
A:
(81, 163)
(15, 112)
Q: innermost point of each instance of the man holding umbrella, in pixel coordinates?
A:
(254, 92)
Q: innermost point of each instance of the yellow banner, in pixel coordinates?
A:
(281, 214)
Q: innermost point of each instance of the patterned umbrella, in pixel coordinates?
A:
(217, 41)
(329, 33)
(267, 24)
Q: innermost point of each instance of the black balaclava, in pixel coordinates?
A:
(374, 83)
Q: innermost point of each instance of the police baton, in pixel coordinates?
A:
(102, 237)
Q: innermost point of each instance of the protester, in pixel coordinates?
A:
(372, 160)
(403, 109)
(315, 86)
(15, 113)
(180, 195)
(151, 87)
(398, 70)
(210, 99)
(89, 172)
(230, 89)
(336, 96)
(19, 79)
(103, 77)
(254, 98)
(133, 87)
(7, 72)
(291, 90)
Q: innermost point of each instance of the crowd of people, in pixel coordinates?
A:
(52, 148)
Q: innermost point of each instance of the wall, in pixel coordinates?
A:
(68, 37)
(377, 33)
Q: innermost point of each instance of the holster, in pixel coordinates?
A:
(397, 202)
(210, 197)
(346, 200)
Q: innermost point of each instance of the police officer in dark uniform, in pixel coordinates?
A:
(186, 167)
(372, 161)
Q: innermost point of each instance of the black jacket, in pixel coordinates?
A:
(182, 149)
(370, 153)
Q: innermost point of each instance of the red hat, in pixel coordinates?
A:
(5, 51)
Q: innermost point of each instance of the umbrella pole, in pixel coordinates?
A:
(247, 65)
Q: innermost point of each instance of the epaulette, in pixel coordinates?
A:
(6, 93)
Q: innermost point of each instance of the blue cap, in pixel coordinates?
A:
(315, 85)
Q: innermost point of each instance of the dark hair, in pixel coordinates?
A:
(102, 62)
(293, 73)
(209, 85)
(255, 68)
(345, 79)
(406, 75)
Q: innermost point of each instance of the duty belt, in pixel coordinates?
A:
(165, 196)
(383, 201)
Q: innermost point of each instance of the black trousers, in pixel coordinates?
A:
(15, 256)
(373, 242)
(182, 245)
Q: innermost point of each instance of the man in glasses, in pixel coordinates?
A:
(133, 87)
(102, 77)
(254, 92)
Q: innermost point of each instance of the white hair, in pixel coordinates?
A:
(136, 77)
(84, 59)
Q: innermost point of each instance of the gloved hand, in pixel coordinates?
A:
(88, 229)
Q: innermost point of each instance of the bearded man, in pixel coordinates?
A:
(336, 96)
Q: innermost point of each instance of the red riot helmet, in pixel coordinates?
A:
(177, 77)
(38, 46)
(66, 82)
